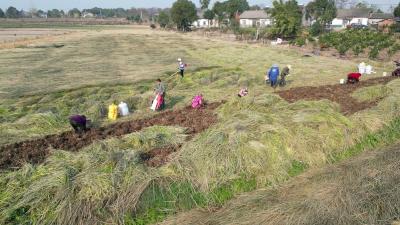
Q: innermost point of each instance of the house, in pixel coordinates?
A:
(201, 22)
(255, 18)
(87, 15)
(376, 18)
(347, 17)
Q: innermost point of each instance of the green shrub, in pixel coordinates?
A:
(358, 41)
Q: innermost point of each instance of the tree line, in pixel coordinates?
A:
(135, 14)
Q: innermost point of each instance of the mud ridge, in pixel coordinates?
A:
(339, 93)
(36, 151)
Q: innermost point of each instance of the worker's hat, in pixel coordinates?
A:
(289, 66)
(179, 59)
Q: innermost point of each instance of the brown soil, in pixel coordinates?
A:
(158, 156)
(339, 93)
(36, 151)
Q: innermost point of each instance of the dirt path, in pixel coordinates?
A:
(36, 151)
(337, 93)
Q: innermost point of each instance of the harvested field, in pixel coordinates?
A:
(338, 93)
(7, 35)
(362, 190)
(36, 151)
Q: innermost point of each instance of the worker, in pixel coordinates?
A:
(78, 122)
(353, 78)
(243, 92)
(159, 90)
(284, 73)
(273, 75)
(197, 101)
(181, 67)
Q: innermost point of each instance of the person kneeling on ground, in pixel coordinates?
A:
(197, 101)
(79, 123)
(273, 75)
(285, 72)
(353, 78)
(243, 92)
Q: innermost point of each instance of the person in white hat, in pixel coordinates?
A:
(181, 67)
(285, 72)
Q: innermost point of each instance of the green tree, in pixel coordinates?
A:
(12, 12)
(2, 14)
(219, 10)
(323, 11)
(209, 15)
(74, 13)
(163, 19)
(204, 4)
(396, 11)
(287, 16)
(234, 7)
(183, 14)
(54, 13)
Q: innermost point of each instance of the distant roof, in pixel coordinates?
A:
(352, 13)
(254, 14)
(381, 16)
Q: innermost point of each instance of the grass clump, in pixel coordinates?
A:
(371, 93)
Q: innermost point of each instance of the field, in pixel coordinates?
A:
(147, 166)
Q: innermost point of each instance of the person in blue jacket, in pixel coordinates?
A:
(273, 75)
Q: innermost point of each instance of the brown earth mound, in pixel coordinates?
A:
(339, 93)
(36, 151)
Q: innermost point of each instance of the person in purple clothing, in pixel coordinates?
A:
(78, 122)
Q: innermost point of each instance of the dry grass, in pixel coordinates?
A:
(363, 190)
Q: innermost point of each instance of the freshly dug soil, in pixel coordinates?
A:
(36, 151)
(158, 156)
(339, 93)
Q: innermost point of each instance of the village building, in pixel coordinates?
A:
(346, 17)
(255, 18)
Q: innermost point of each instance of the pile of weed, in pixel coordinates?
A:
(103, 182)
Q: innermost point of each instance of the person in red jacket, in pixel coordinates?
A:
(353, 78)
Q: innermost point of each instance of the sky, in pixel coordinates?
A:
(81, 4)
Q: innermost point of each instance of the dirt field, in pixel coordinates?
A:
(338, 93)
(36, 151)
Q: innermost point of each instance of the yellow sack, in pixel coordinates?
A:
(112, 112)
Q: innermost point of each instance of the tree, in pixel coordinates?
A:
(396, 11)
(255, 7)
(287, 16)
(74, 13)
(219, 11)
(234, 7)
(12, 12)
(323, 11)
(183, 14)
(204, 4)
(2, 14)
(54, 13)
(163, 19)
(209, 15)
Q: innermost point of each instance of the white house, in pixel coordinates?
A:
(255, 18)
(347, 17)
(204, 23)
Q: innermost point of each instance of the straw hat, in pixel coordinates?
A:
(289, 66)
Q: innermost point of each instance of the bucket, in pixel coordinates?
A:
(384, 74)
(341, 81)
(368, 69)
(361, 68)
(123, 109)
